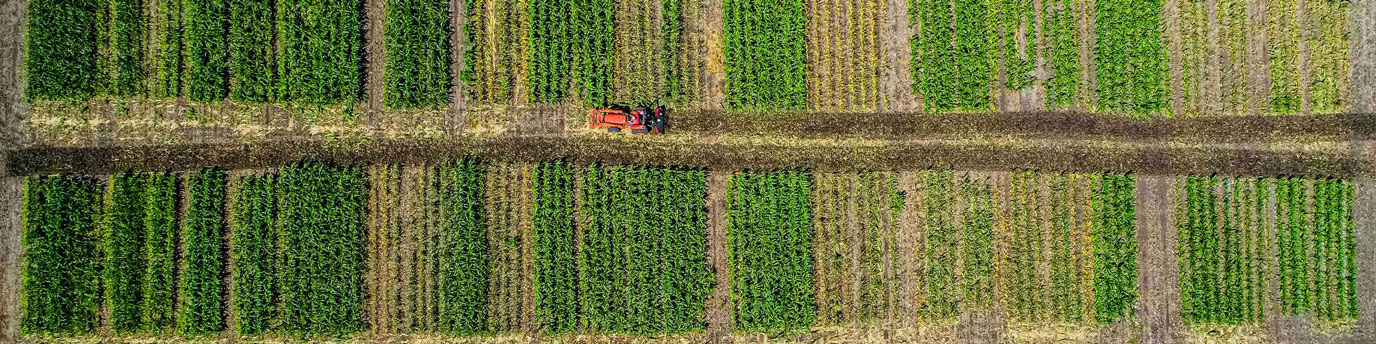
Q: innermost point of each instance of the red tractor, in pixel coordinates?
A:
(639, 120)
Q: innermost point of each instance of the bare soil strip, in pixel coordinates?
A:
(1069, 156)
(1088, 37)
(374, 51)
(1364, 211)
(1362, 20)
(1032, 124)
(719, 306)
(897, 29)
(715, 79)
(13, 111)
(458, 43)
(11, 198)
(1176, 56)
(1159, 284)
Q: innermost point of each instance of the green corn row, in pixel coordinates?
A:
(61, 257)
(1292, 218)
(320, 59)
(170, 50)
(765, 54)
(1060, 26)
(594, 49)
(160, 245)
(199, 308)
(417, 64)
(1115, 248)
(1283, 35)
(551, 38)
(254, 253)
(953, 67)
(1131, 56)
(60, 50)
(770, 250)
(126, 39)
(976, 244)
(465, 267)
(207, 40)
(556, 280)
(1067, 303)
(880, 204)
(1006, 17)
(940, 256)
(125, 258)
(643, 250)
(321, 239)
(252, 63)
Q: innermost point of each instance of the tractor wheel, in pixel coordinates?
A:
(613, 129)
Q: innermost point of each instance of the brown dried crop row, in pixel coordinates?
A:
(1066, 156)
(1060, 125)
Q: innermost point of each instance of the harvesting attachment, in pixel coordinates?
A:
(639, 120)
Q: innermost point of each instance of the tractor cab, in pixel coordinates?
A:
(639, 120)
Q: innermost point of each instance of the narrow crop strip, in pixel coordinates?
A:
(125, 260)
(253, 250)
(60, 50)
(417, 64)
(321, 237)
(61, 263)
(770, 249)
(555, 267)
(766, 54)
(200, 308)
(320, 59)
(1115, 248)
(252, 61)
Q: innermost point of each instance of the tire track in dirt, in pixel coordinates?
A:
(719, 306)
(13, 111)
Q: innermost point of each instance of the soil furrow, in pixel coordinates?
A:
(11, 203)
(895, 33)
(1176, 58)
(1153, 251)
(458, 44)
(1362, 20)
(719, 306)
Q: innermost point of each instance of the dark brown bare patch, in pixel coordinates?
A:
(897, 30)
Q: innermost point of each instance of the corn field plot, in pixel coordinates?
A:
(497, 58)
(1214, 47)
(639, 73)
(1315, 237)
(403, 234)
(509, 210)
(845, 56)
(1223, 234)
(855, 247)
